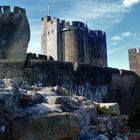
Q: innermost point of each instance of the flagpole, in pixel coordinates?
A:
(48, 10)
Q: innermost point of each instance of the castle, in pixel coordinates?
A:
(88, 47)
(74, 42)
(14, 33)
(134, 60)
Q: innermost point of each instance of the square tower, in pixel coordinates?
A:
(50, 37)
(134, 60)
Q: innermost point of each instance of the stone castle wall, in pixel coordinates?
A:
(134, 60)
(95, 83)
(11, 69)
(74, 42)
(14, 33)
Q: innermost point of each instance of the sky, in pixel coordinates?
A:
(120, 19)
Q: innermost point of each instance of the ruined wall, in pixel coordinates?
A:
(14, 33)
(134, 60)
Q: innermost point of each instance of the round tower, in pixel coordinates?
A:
(74, 42)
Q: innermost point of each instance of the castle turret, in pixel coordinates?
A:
(14, 33)
(50, 37)
(134, 60)
(74, 37)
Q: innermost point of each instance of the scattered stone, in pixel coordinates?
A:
(102, 137)
(9, 102)
(31, 98)
(108, 108)
(43, 108)
(33, 110)
(68, 103)
(83, 116)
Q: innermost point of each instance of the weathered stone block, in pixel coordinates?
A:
(46, 127)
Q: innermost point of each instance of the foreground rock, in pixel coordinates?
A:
(108, 108)
(55, 126)
(52, 113)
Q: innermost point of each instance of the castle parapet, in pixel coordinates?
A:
(78, 24)
(134, 51)
(18, 10)
(6, 10)
(99, 32)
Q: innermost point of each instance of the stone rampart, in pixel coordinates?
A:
(95, 83)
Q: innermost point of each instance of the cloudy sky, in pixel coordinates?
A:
(120, 19)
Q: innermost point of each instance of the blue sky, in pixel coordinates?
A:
(120, 19)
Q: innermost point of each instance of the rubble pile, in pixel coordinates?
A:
(52, 113)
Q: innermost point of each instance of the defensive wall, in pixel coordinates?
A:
(99, 84)
(134, 60)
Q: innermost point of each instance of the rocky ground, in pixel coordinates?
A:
(52, 113)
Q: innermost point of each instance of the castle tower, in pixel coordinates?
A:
(97, 48)
(134, 60)
(73, 42)
(50, 38)
(14, 33)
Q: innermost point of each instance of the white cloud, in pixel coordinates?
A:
(116, 38)
(126, 34)
(122, 36)
(130, 3)
(100, 15)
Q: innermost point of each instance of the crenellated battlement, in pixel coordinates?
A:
(6, 10)
(134, 51)
(99, 32)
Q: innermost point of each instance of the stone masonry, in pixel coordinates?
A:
(73, 42)
(14, 33)
(134, 60)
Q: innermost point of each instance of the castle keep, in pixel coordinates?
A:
(14, 33)
(73, 42)
(134, 60)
